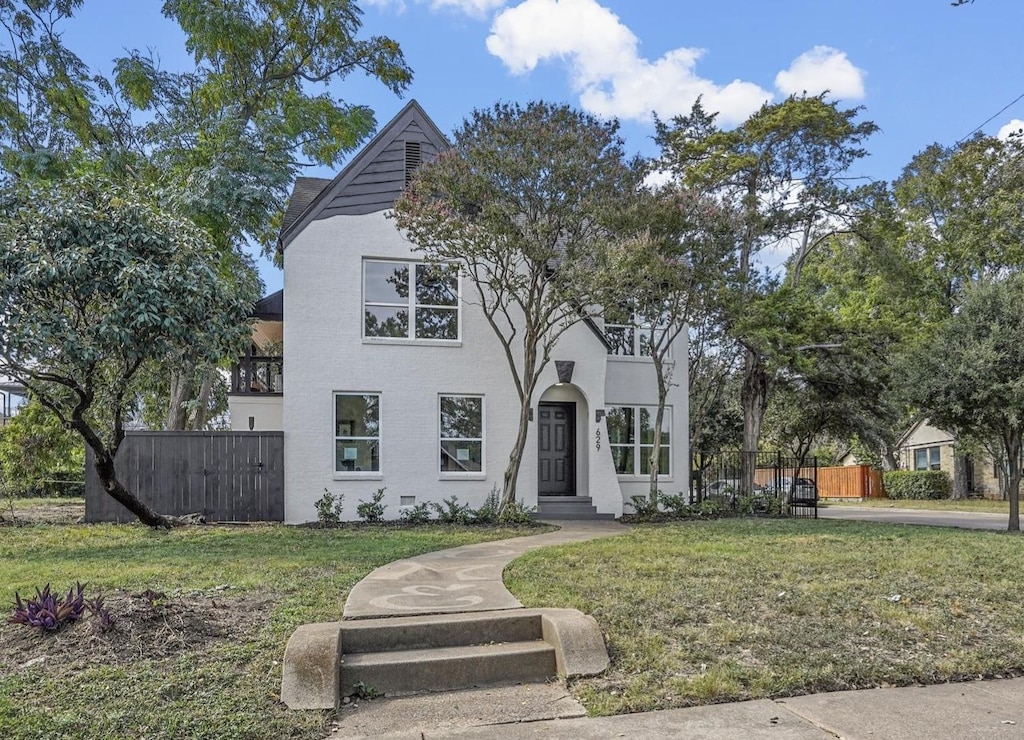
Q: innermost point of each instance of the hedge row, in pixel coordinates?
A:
(917, 484)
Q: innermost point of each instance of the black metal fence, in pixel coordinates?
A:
(225, 476)
(791, 482)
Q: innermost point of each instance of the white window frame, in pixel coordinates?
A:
(636, 444)
(410, 305)
(357, 474)
(470, 474)
(636, 351)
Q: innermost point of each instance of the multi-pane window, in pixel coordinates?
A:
(357, 432)
(462, 434)
(410, 300)
(629, 340)
(928, 458)
(631, 438)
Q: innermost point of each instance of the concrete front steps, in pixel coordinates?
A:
(403, 655)
(573, 508)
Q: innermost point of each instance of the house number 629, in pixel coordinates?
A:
(598, 435)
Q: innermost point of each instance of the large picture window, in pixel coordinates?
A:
(357, 432)
(462, 434)
(631, 438)
(410, 300)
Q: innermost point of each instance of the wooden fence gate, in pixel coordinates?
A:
(226, 476)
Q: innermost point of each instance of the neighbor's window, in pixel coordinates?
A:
(928, 458)
(410, 300)
(631, 438)
(462, 434)
(357, 432)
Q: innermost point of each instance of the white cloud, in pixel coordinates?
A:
(607, 72)
(820, 69)
(1013, 127)
(473, 8)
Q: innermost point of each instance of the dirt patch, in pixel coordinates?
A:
(68, 513)
(148, 625)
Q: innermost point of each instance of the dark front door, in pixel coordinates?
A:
(556, 450)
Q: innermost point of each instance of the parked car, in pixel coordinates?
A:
(728, 488)
(798, 491)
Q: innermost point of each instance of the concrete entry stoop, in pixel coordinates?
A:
(463, 629)
(569, 508)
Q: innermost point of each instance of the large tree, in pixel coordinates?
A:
(98, 277)
(521, 203)
(784, 169)
(259, 105)
(672, 263)
(968, 378)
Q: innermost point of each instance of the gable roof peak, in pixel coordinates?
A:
(375, 177)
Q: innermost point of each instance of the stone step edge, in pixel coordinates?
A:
(311, 674)
(429, 631)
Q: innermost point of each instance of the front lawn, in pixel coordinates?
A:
(975, 505)
(203, 614)
(706, 612)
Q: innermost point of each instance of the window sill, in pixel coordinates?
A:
(415, 342)
(358, 476)
(462, 476)
(641, 478)
(631, 358)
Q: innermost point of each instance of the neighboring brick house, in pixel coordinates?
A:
(395, 381)
(924, 447)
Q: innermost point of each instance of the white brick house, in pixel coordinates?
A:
(394, 381)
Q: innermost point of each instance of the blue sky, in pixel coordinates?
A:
(923, 71)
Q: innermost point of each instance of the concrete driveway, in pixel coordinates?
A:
(961, 519)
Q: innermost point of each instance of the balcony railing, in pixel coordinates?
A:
(262, 376)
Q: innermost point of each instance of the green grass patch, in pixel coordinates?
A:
(203, 616)
(706, 612)
(975, 505)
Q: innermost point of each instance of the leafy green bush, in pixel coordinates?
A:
(917, 484)
(452, 512)
(329, 508)
(677, 505)
(39, 457)
(373, 510)
(643, 508)
(516, 512)
(417, 514)
(488, 513)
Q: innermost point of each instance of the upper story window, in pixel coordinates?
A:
(632, 338)
(410, 300)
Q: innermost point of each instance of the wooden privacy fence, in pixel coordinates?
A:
(850, 481)
(226, 476)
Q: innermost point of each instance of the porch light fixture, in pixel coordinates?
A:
(598, 415)
(252, 422)
(564, 369)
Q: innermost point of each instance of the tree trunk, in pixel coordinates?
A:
(515, 458)
(177, 403)
(664, 381)
(104, 464)
(754, 400)
(203, 400)
(960, 463)
(1013, 470)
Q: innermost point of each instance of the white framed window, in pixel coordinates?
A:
(356, 433)
(410, 301)
(630, 339)
(461, 434)
(631, 439)
(928, 458)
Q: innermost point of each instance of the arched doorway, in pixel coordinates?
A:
(562, 425)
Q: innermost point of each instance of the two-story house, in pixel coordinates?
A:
(392, 378)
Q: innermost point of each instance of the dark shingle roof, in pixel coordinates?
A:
(305, 191)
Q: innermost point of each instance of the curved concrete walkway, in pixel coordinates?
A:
(463, 579)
